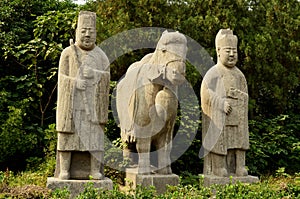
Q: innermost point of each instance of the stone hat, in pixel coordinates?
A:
(225, 37)
(173, 42)
(88, 18)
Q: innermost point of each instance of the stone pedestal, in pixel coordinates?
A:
(159, 181)
(77, 186)
(211, 179)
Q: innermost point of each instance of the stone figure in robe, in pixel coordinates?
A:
(224, 101)
(82, 103)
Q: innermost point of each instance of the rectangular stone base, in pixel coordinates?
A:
(211, 179)
(159, 181)
(77, 186)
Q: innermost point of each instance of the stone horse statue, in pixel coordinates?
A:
(147, 102)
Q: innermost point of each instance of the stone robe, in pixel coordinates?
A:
(221, 132)
(82, 113)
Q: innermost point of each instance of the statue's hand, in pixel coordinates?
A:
(81, 84)
(227, 108)
(131, 137)
(232, 93)
(88, 72)
(236, 93)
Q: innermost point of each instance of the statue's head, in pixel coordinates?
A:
(86, 30)
(226, 46)
(171, 51)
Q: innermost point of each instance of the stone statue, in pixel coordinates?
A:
(224, 101)
(147, 102)
(82, 105)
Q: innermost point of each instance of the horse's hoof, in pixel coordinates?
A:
(165, 171)
(144, 170)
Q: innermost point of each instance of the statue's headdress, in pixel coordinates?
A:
(88, 18)
(225, 37)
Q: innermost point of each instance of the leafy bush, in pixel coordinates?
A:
(17, 139)
(60, 194)
(23, 185)
(274, 143)
(286, 189)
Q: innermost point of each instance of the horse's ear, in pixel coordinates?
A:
(164, 32)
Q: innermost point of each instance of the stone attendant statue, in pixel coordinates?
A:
(147, 102)
(82, 106)
(224, 101)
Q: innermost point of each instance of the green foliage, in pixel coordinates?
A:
(117, 16)
(113, 157)
(114, 163)
(60, 194)
(270, 54)
(50, 140)
(89, 192)
(274, 143)
(56, 27)
(187, 178)
(187, 134)
(238, 190)
(17, 139)
(24, 185)
(40, 58)
(16, 27)
(28, 85)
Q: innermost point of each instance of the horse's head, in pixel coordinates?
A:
(171, 49)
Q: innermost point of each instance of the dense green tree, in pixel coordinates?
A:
(32, 35)
(267, 32)
(118, 16)
(271, 56)
(17, 24)
(268, 44)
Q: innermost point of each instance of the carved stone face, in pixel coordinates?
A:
(227, 56)
(175, 72)
(86, 37)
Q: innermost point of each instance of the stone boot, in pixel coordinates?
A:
(219, 165)
(65, 163)
(96, 159)
(240, 163)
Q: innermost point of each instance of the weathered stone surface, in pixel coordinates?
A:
(147, 102)
(159, 181)
(82, 104)
(211, 179)
(224, 102)
(77, 186)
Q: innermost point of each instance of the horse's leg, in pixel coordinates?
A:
(166, 106)
(143, 149)
(163, 151)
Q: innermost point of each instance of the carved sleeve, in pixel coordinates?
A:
(102, 97)
(64, 95)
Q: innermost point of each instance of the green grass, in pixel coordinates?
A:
(32, 184)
